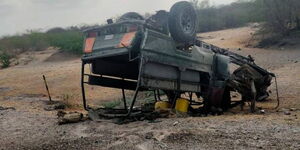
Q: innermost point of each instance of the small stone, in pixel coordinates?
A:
(287, 113)
(296, 61)
(262, 111)
(282, 110)
(175, 123)
(54, 105)
(149, 135)
(293, 109)
(71, 117)
(6, 108)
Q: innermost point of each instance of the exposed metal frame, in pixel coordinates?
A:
(138, 88)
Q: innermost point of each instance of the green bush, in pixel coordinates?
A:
(16, 42)
(111, 104)
(5, 59)
(37, 41)
(236, 14)
(70, 41)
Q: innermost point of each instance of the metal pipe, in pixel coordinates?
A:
(137, 85)
(82, 86)
(253, 90)
(278, 101)
(46, 85)
(158, 95)
(124, 98)
(133, 101)
(155, 96)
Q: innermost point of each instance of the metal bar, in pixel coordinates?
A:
(177, 93)
(82, 86)
(137, 85)
(124, 98)
(112, 82)
(46, 85)
(235, 58)
(191, 96)
(133, 101)
(155, 96)
(278, 101)
(158, 95)
(196, 103)
(253, 90)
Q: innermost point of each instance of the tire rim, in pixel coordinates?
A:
(187, 22)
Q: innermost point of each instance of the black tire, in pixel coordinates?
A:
(131, 15)
(183, 22)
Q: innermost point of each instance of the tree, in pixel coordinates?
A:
(282, 16)
(5, 59)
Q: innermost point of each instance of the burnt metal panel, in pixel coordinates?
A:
(190, 76)
(107, 41)
(155, 75)
(190, 87)
(158, 83)
(222, 67)
(156, 70)
(112, 82)
(117, 67)
(105, 53)
(157, 47)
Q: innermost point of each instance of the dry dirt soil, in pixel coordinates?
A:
(28, 126)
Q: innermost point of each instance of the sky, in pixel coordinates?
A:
(17, 16)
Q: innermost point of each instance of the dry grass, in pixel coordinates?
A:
(63, 79)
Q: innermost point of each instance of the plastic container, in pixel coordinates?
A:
(182, 105)
(162, 105)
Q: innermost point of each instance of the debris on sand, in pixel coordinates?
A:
(54, 105)
(175, 123)
(4, 89)
(262, 111)
(6, 108)
(70, 117)
(293, 109)
(287, 113)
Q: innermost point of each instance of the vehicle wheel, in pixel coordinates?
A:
(131, 15)
(183, 22)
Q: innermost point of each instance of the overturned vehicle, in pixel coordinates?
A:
(163, 55)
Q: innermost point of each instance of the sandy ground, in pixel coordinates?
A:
(30, 127)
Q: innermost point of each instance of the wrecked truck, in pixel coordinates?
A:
(162, 54)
